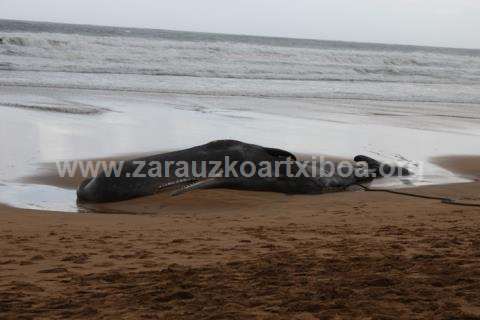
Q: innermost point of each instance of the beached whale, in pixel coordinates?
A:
(228, 164)
(149, 175)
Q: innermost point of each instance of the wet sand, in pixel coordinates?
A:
(221, 254)
(466, 166)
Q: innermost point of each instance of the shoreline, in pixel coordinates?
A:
(47, 180)
(385, 131)
(219, 201)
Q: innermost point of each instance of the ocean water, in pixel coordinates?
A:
(71, 92)
(57, 55)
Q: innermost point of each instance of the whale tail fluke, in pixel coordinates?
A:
(379, 169)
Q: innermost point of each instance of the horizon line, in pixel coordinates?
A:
(247, 35)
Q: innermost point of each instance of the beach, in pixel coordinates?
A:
(71, 93)
(242, 255)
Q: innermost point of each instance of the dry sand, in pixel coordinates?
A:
(222, 254)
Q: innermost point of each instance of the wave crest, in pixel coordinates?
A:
(77, 53)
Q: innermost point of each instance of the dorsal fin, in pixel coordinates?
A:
(280, 153)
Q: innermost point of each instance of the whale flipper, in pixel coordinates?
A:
(202, 184)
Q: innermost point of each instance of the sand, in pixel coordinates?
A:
(222, 254)
(466, 166)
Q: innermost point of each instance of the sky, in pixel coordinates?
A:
(447, 23)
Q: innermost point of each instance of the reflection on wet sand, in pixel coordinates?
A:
(141, 123)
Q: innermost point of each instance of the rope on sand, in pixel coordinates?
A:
(442, 199)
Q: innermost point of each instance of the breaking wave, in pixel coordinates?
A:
(78, 53)
(107, 58)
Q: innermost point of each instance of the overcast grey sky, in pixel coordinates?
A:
(452, 23)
